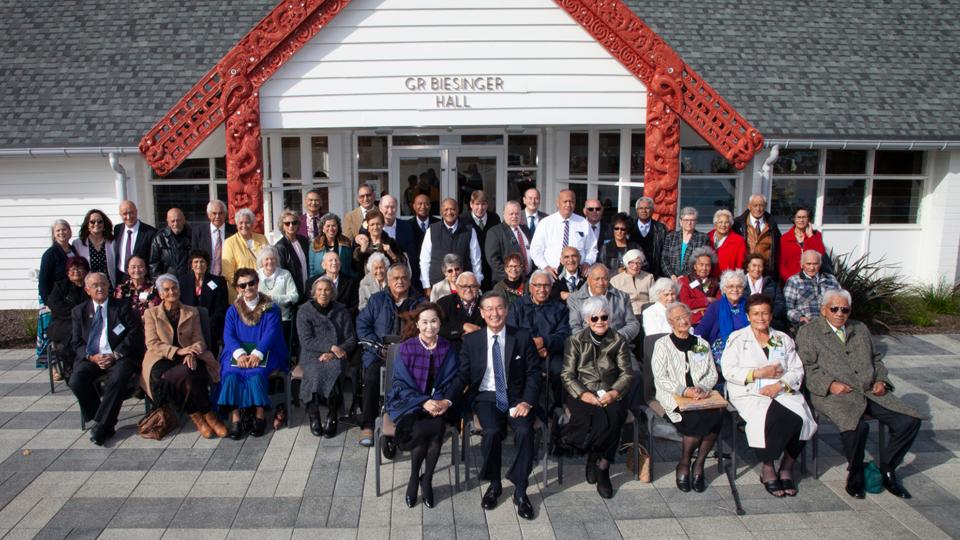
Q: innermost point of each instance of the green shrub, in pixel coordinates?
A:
(942, 298)
(873, 285)
(911, 309)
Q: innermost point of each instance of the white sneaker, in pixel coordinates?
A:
(666, 431)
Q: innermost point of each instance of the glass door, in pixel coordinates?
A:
(447, 172)
(417, 171)
(477, 168)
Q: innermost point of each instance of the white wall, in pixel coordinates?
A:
(33, 193)
(354, 72)
(939, 245)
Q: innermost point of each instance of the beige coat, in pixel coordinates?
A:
(670, 372)
(742, 355)
(637, 288)
(236, 255)
(352, 223)
(159, 338)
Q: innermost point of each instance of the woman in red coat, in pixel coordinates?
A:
(801, 237)
(731, 248)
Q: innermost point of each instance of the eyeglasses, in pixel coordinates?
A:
(593, 209)
(247, 284)
(619, 228)
(468, 287)
(291, 223)
(598, 318)
(842, 309)
(540, 285)
(365, 195)
(453, 270)
(96, 222)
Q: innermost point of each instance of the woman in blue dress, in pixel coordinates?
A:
(253, 348)
(425, 367)
(725, 316)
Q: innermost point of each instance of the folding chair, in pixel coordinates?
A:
(384, 429)
(815, 451)
(631, 418)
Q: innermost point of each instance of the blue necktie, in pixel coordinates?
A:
(498, 377)
(96, 328)
(533, 226)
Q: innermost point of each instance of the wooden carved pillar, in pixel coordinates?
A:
(245, 159)
(661, 160)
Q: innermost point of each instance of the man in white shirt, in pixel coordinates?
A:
(531, 209)
(559, 230)
(131, 238)
(599, 231)
(449, 235)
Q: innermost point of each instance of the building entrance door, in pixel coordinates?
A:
(443, 172)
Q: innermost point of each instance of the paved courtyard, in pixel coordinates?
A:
(54, 483)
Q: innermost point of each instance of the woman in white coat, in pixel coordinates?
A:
(764, 375)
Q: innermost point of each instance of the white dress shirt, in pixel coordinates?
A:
(422, 224)
(548, 240)
(535, 216)
(214, 234)
(427, 247)
(303, 260)
(123, 244)
(518, 234)
(756, 287)
(489, 382)
(593, 237)
(391, 229)
(644, 228)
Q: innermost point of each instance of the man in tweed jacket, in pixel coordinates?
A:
(804, 290)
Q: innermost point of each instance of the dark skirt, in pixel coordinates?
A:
(781, 433)
(700, 423)
(174, 383)
(418, 428)
(592, 429)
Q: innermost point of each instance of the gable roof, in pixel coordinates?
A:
(84, 73)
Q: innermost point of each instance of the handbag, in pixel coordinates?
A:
(157, 423)
(641, 469)
(872, 478)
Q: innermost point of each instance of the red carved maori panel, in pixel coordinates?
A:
(661, 161)
(229, 92)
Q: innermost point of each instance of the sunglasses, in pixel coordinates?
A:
(96, 222)
(598, 318)
(593, 209)
(291, 223)
(247, 284)
(619, 228)
(842, 309)
(453, 270)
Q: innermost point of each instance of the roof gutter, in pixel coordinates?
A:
(853, 144)
(80, 151)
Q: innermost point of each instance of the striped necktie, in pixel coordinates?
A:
(566, 233)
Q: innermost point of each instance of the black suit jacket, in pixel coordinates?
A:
(141, 247)
(200, 236)
(659, 232)
(561, 285)
(214, 298)
(521, 363)
(124, 331)
(289, 261)
(456, 316)
(501, 242)
(491, 221)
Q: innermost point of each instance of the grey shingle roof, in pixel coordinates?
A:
(102, 72)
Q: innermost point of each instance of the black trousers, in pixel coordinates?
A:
(494, 425)
(103, 409)
(554, 368)
(371, 394)
(781, 434)
(903, 430)
(174, 383)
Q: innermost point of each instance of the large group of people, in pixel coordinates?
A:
(503, 320)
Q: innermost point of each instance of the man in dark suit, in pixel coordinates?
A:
(461, 310)
(400, 230)
(482, 221)
(346, 288)
(649, 233)
(309, 225)
(501, 368)
(210, 236)
(200, 288)
(131, 238)
(599, 230)
(570, 278)
(761, 233)
(107, 340)
(420, 223)
(507, 238)
(531, 210)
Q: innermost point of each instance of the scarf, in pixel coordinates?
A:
(728, 320)
(420, 362)
(320, 309)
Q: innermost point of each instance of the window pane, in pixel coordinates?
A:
(192, 199)
(610, 153)
(846, 161)
(221, 193)
(221, 167)
(707, 195)
(293, 198)
(609, 198)
(376, 180)
(898, 162)
(635, 193)
(416, 140)
(481, 139)
(290, 149)
(797, 162)
(372, 152)
(578, 153)
(320, 156)
(188, 170)
(895, 201)
(843, 201)
(522, 151)
(580, 190)
(788, 194)
(703, 161)
(518, 182)
(637, 142)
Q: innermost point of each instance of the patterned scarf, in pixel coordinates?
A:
(420, 362)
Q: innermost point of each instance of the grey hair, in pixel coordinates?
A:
(508, 204)
(722, 212)
(466, 274)
(593, 305)
(643, 199)
(451, 259)
(660, 286)
(678, 305)
(689, 211)
(399, 266)
(245, 212)
(702, 251)
(96, 274)
(376, 257)
(216, 202)
(321, 279)
(632, 254)
(760, 195)
(162, 278)
(729, 275)
(57, 222)
(812, 252)
(597, 266)
(829, 294)
(538, 273)
(265, 252)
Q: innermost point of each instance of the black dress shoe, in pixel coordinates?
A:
(411, 501)
(893, 485)
(524, 508)
(316, 427)
(236, 431)
(683, 482)
(489, 501)
(100, 434)
(426, 491)
(591, 473)
(259, 427)
(854, 487)
(330, 429)
(698, 484)
(604, 487)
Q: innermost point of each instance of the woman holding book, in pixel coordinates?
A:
(764, 375)
(683, 370)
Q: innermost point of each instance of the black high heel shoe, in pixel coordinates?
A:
(426, 491)
(259, 427)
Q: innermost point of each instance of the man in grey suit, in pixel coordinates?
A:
(506, 238)
(621, 314)
(847, 379)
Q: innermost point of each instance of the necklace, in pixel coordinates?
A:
(425, 346)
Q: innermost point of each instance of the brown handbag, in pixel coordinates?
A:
(641, 469)
(158, 423)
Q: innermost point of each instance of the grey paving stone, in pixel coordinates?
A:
(13, 483)
(267, 513)
(6, 417)
(90, 512)
(442, 532)
(145, 512)
(344, 512)
(47, 533)
(224, 457)
(183, 459)
(30, 389)
(36, 460)
(472, 532)
(131, 459)
(314, 511)
(207, 513)
(692, 509)
(74, 459)
(84, 533)
(947, 518)
(32, 420)
(907, 346)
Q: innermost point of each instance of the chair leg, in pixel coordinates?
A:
(650, 422)
(376, 467)
(636, 444)
(455, 458)
(733, 443)
(286, 388)
(719, 447)
(546, 453)
(814, 454)
(50, 361)
(468, 427)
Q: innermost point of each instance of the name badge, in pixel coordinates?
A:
(695, 283)
(212, 285)
(778, 355)
(699, 357)
(118, 329)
